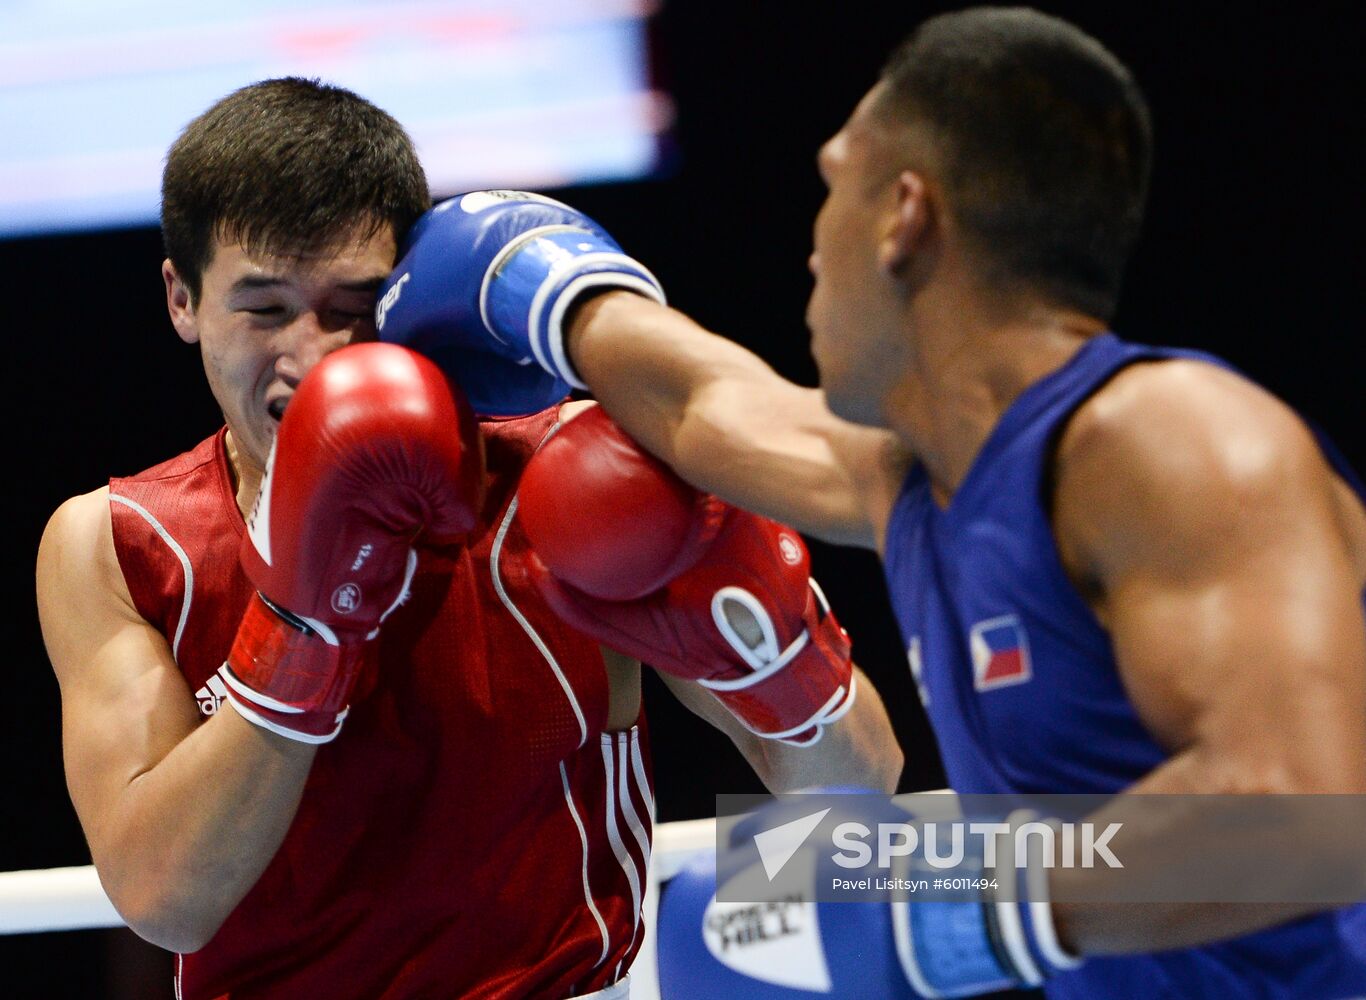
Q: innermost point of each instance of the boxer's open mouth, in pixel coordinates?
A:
(277, 409)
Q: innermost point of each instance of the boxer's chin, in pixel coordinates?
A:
(853, 405)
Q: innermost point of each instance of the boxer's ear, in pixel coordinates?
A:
(180, 303)
(910, 224)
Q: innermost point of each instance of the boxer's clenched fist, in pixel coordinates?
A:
(995, 934)
(632, 555)
(372, 451)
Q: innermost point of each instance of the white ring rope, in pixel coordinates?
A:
(54, 899)
(67, 899)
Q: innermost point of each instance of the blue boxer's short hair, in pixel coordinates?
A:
(1044, 143)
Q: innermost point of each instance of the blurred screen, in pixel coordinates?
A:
(526, 93)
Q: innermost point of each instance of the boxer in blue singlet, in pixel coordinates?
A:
(1116, 568)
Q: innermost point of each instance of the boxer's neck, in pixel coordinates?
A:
(966, 376)
(246, 475)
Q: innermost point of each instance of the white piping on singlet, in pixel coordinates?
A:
(627, 746)
(188, 572)
(587, 892)
(624, 741)
(642, 782)
(526, 625)
(617, 791)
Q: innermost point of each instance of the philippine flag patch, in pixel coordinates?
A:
(1000, 653)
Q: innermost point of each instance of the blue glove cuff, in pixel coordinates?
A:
(529, 287)
(1001, 940)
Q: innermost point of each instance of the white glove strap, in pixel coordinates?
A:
(241, 698)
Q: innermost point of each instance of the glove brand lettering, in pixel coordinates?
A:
(389, 300)
(346, 598)
(361, 556)
(756, 924)
(776, 941)
(789, 549)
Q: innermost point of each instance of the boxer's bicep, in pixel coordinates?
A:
(125, 705)
(775, 448)
(1224, 579)
(1256, 680)
(729, 424)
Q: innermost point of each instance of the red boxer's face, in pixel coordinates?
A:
(263, 322)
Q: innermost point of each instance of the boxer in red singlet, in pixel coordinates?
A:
(300, 781)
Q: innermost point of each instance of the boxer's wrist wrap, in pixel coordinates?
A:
(528, 289)
(291, 677)
(1005, 939)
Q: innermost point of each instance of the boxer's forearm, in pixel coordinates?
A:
(722, 418)
(1097, 927)
(1189, 843)
(859, 750)
(1094, 929)
(188, 838)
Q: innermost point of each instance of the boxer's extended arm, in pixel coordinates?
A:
(181, 818)
(730, 425)
(1213, 535)
(859, 749)
(488, 285)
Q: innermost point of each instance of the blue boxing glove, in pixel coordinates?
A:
(482, 287)
(797, 942)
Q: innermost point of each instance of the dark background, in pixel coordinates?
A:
(1252, 249)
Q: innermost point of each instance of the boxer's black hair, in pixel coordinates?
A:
(1044, 142)
(288, 166)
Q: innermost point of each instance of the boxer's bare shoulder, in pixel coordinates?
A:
(1184, 445)
(1200, 518)
(79, 582)
(93, 631)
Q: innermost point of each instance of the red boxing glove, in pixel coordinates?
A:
(372, 451)
(633, 556)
